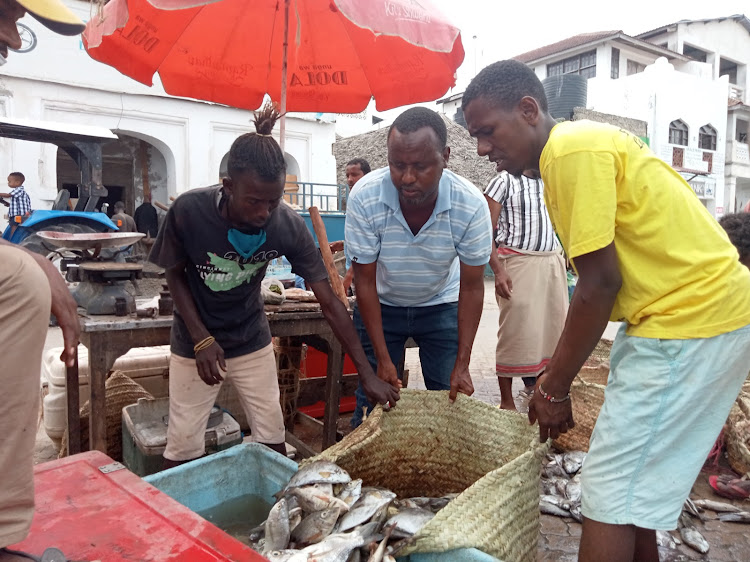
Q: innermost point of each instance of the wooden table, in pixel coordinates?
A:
(109, 337)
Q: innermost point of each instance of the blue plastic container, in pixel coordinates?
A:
(252, 469)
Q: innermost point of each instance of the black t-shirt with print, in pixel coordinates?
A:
(226, 287)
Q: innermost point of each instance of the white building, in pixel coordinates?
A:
(174, 143)
(687, 81)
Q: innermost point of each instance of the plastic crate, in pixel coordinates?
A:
(144, 435)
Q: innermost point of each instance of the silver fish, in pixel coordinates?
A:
(718, 507)
(316, 497)
(286, 555)
(572, 461)
(319, 471)
(350, 492)
(365, 507)
(665, 540)
(378, 554)
(338, 547)
(562, 503)
(575, 512)
(554, 469)
(277, 527)
(691, 536)
(355, 555)
(408, 522)
(257, 533)
(693, 510)
(736, 517)
(551, 509)
(295, 518)
(573, 491)
(315, 527)
(552, 486)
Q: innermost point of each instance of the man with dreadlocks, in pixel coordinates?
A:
(215, 245)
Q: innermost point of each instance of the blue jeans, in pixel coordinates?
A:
(434, 328)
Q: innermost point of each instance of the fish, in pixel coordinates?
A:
(319, 471)
(350, 492)
(551, 509)
(257, 533)
(317, 497)
(554, 469)
(718, 507)
(552, 486)
(665, 540)
(433, 504)
(315, 527)
(408, 522)
(371, 501)
(572, 461)
(277, 527)
(575, 512)
(295, 518)
(378, 554)
(573, 490)
(692, 509)
(562, 503)
(286, 555)
(691, 536)
(735, 517)
(338, 547)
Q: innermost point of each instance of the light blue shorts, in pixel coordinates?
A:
(665, 404)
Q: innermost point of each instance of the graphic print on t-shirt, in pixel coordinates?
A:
(226, 274)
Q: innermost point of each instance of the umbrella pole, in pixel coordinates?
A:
(282, 128)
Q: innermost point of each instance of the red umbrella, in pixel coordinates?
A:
(340, 52)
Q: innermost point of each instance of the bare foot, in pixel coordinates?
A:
(508, 405)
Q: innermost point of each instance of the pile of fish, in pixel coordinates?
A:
(560, 495)
(322, 515)
(560, 486)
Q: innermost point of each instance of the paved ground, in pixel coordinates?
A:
(558, 540)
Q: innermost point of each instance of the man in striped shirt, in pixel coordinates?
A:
(418, 237)
(530, 281)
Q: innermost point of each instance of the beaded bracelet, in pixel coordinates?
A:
(204, 344)
(550, 398)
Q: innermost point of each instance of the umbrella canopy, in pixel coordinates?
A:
(340, 52)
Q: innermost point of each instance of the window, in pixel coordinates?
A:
(615, 72)
(678, 133)
(694, 53)
(584, 64)
(707, 138)
(635, 67)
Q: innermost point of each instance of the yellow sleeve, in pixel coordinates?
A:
(583, 199)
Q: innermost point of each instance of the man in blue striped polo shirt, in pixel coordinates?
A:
(419, 237)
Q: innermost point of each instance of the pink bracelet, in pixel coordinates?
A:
(550, 398)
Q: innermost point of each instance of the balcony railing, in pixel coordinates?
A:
(738, 152)
(736, 93)
(327, 197)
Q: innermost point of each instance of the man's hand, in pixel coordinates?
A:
(348, 278)
(503, 283)
(387, 372)
(554, 418)
(379, 391)
(460, 382)
(209, 361)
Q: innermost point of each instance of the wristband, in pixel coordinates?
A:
(550, 398)
(204, 344)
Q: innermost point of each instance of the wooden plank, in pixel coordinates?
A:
(303, 450)
(312, 390)
(74, 418)
(332, 392)
(325, 252)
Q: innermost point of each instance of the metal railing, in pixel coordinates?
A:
(308, 194)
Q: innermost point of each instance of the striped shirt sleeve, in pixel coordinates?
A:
(497, 189)
(361, 241)
(476, 243)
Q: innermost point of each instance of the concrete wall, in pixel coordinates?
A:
(58, 81)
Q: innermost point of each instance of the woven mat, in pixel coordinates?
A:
(289, 356)
(427, 447)
(600, 354)
(587, 397)
(120, 391)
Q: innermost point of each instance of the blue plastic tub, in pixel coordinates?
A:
(255, 469)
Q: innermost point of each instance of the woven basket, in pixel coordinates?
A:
(587, 399)
(737, 432)
(427, 447)
(600, 354)
(289, 355)
(120, 391)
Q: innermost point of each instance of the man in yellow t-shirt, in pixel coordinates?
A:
(650, 255)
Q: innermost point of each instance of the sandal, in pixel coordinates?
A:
(731, 488)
